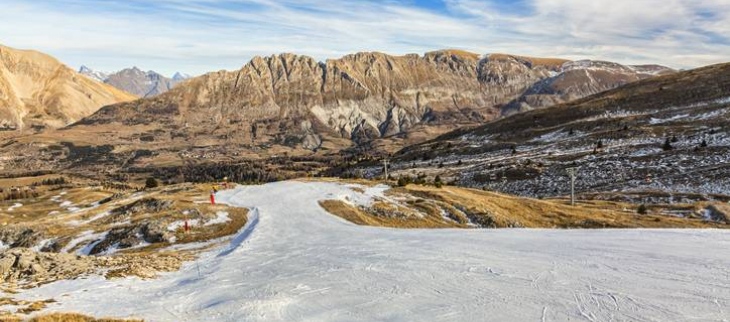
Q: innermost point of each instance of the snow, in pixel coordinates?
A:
(221, 217)
(175, 225)
(294, 262)
(15, 206)
(90, 220)
(85, 236)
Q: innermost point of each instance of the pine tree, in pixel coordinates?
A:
(599, 144)
(437, 181)
(674, 139)
(642, 210)
(151, 183)
(667, 145)
(703, 144)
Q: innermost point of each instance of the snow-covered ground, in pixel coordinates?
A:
(295, 262)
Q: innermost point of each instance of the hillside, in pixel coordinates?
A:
(38, 91)
(290, 105)
(668, 135)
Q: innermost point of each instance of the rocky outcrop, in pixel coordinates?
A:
(130, 236)
(38, 91)
(22, 264)
(19, 236)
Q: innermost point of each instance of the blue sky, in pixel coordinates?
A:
(197, 36)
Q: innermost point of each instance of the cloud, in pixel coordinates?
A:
(197, 36)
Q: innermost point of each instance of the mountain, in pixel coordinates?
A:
(294, 99)
(37, 90)
(579, 79)
(93, 74)
(180, 76)
(136, 81)
(296, 106)
(668, 135)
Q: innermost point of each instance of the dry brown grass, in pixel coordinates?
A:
(488, 209)
(24, 307)
(62, 317)
(369, 218)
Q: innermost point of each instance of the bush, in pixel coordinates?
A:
(667, 146)
(151, 183)
(404, 181)
(437, 182)
(642, 210)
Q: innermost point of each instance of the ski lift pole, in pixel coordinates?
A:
(572, 172)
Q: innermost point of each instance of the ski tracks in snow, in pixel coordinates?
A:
(294, 262)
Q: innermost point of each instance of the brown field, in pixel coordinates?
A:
(422, 206)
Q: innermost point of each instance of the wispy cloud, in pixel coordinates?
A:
(197, 36)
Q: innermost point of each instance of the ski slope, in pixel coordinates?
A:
(295, 262)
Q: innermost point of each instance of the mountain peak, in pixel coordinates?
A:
(180, 76)
(93, 74)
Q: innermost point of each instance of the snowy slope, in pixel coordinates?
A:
(295, 262)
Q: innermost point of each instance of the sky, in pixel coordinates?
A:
(199, 36)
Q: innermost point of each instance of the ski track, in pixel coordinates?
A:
(295, 262)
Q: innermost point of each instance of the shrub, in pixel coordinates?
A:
(151, 183)
(667, 145)
(404, 181)
(437, 182)
(642, 210)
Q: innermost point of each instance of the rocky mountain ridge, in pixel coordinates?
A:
(297, 101)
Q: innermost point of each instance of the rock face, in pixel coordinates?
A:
(37, 90)
(22, 264)
(134, 80)
(296, 101)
